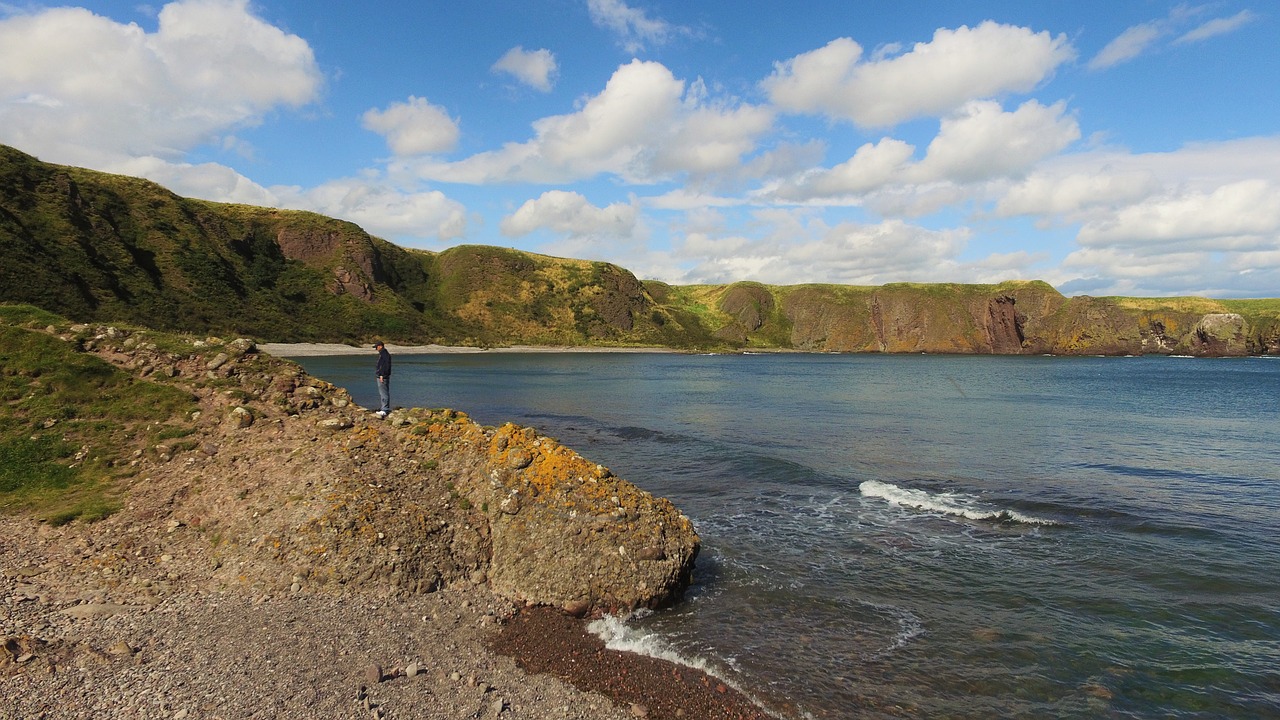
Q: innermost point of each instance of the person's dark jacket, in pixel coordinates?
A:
(384, 364)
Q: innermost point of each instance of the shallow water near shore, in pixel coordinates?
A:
(932, 536)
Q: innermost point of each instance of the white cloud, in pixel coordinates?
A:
(798, 249)
(571, 214)
(873, 166)
(535, 68)
(699, 244)
(633, 27)
(1096, 186)
(208, 180)
(1204, 219)
(640, 128)
(381, 209)
(80, 88)
(931, 79)
(1241, 215)
(709, 140)
(1069, 195)
(1117, 271)
(415, 127)
(1219, 26)
(981, 141)
(1144, 37)
(1128, 45)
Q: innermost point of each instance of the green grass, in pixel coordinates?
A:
(69, 420)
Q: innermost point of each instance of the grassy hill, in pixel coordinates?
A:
(72, 421)
(98, 247)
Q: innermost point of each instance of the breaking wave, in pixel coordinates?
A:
(956, 504)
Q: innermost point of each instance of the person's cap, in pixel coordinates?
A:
(378, 344)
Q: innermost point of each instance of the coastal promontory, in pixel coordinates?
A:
(192, 525)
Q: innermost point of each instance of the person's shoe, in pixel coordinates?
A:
(380, 414)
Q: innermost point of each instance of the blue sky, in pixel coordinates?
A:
(1105, 147)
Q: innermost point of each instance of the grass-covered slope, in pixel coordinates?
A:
(97, 247)
(70, 422)
(94, 246)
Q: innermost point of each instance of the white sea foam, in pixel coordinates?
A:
(944, 503)
(617, 635)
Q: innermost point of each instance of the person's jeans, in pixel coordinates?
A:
(384, 394)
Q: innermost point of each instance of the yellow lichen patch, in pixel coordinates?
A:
(557, 475)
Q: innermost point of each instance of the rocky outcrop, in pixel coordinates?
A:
(567, 533)
(620, 299)
(1004, 326)
(749, 303)
(1220, 334)
(282, 485)
(349, 256)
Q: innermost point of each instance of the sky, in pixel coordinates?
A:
(1108, 148)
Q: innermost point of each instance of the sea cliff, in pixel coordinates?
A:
(108, 249)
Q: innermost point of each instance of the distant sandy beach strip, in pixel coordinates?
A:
(319, 349)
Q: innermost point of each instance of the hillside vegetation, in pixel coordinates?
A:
(106, 248)
(72, 421)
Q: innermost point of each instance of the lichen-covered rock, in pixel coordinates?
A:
(569, 534)
(1220, 334)
(560, 529)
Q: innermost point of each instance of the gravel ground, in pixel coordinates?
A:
(73, 649)
(135, 615)
(457, 653)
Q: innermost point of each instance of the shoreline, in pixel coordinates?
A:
(287, 350)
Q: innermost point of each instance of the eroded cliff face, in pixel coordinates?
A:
(349, 257)
(1010, 318)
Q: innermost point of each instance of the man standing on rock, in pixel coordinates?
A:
(384, 379)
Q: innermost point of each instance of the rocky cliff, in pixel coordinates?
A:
(1008, 318)
(107, 248)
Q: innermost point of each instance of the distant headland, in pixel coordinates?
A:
(97, 247)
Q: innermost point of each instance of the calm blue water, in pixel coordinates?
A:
(934, 536)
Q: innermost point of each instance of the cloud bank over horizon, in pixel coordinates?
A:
(974, 151)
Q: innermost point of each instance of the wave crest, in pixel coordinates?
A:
(944, 503)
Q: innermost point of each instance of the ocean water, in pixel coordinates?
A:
(932, 536)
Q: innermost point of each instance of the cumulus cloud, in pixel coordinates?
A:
(569, 213)
(382, 209)
(1118, 271)
(414, 127)
(873, 166)
(977, 142)
(981, 141)
(1095, 186)
(641, 128)
(1240, 215)
(633, 27)
(709, 140)
(1072, 194)
(205, 180)
(76, 87)
(801, 250)
(535, 68)
(1197, 220)
(930, 79)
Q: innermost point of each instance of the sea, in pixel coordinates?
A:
(931, 536)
